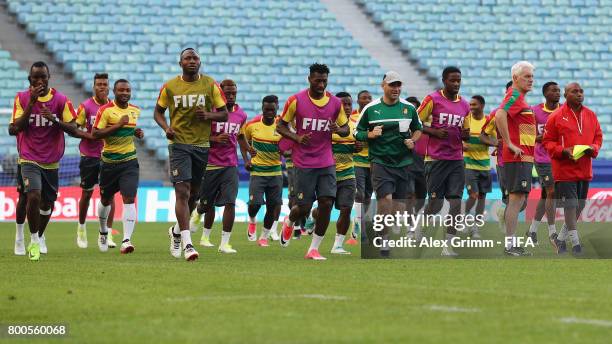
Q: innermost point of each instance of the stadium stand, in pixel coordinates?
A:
(264, 48)
(485, 37)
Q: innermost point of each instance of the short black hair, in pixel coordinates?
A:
(100, 76)
(448, 70)
(184, 50)
(319, 68)
(480, 99)
(270, 99)
(509, 84)
(414, 101)
(119, 81)
(362, 92)
(343, 94)
(547, 85)
(39, 64)
(227, 82)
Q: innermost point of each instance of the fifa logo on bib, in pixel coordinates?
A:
(451, 120)
(315, 124)
(189, 100)
(225, 127)
(41, 121)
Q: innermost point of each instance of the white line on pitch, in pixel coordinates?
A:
(595, 322)
(252, 297)
(451, 309)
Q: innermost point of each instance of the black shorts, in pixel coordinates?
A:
(43, 179)
(119, 177)
(445, 178)
(90, 172)
(20, 187)
(395, 181)
(545, 174)
(363, 181)
(187, 162)
(517, 177)
(269, 186)
(219, 186)
(478, 181)
(418, 172)
(501, 181)
(314, 183)
(345, 193)
(571, 194)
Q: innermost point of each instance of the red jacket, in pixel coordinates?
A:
(562, 131)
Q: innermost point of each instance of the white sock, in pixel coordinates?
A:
(175, 229)
(34, 238)
(339, 240)
(207, 232)
(185, 237)
(19, 231)
(552, 229)
(129, 220)
(82, 226)
(534, 226)
(357, 209)
(573, 234)
(103, 212)
(316, 242)
(274, 227)
(509, 242)
(252, 219)
(563, 233)
(265, 234)
(288, 222)
(225, 236)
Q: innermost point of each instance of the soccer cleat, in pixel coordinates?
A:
(309, 225)
(385, 254)
(20, 248)
(553, 241)
(533, 236)
(577, 251)
(339, 250)
(205, 241)
(356, 229)
(448, 252)
(109, 239)
(297, 233)
(190, 253)
(34, 251)
(195, 221)
(516, 252)
(175, 243)
(252, 232)
(500, 219)
(314, 255)
(561, 246)
(274, 235)
(43, 244)
(286, 233)
(126, 247)
(81, 237)
(352, 242)
(227, 248)
(103, 242)
(263, 242)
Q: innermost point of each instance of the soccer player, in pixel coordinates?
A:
(391, 126)
(305, 223)
(567, 129)
(490, 136)
(442, 114)
(265, 168)
(91, 150)
(119, 172)
(41, 115)
(20, 207)
(477, 162)
(516, 123)
(363, 178)
(546, 204)
(343, 149)
(317, 114)
(191, 98)
(416, 201)
(220, 184)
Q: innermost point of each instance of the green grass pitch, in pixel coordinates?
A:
(273, 295)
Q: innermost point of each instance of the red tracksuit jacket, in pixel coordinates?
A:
(562, 130)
